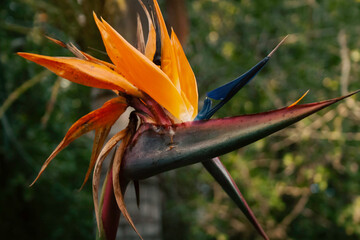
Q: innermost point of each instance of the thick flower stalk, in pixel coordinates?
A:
(165, 130)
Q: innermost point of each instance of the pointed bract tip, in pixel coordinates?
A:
(297, 101)
(97, 21)
(350, 94)
(345, 96)
(23, 54)
(277, 46)
(142, 4)
(58, 42)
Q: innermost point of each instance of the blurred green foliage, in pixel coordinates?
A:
(53, 208)
(302, 183)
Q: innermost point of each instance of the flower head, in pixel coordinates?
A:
(157, 81)
(134, 72)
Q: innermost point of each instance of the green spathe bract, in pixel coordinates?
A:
(191, 142)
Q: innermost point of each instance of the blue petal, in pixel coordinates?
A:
(230, 89)
(206, 108)
(227, 91)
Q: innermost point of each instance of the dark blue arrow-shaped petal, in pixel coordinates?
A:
(227, 91)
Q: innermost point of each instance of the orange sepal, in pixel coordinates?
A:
(150, 47)
(104, 116)
(168, 58)
(297, 101)
(84, 72)
(146, 75)
(187, 76)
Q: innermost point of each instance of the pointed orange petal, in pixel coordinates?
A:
(168, 58)
(97, 170)
(150, 47)
(100, 137)
(140, 71)
(106, 115)
(189, 107)
(297, 101)
(84, 72)
(116, 182)
(187, 76)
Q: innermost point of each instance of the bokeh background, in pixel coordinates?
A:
(301, 183)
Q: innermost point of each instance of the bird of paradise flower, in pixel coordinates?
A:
(165, 130)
